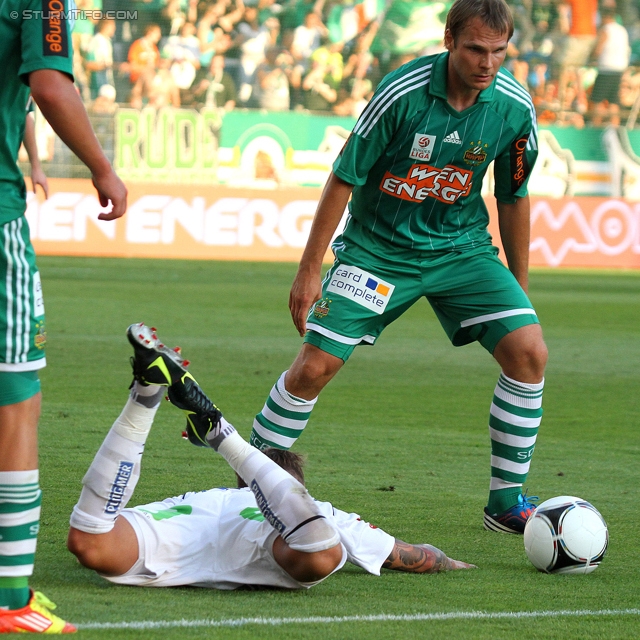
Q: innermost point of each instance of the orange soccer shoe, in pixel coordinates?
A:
(36, 617)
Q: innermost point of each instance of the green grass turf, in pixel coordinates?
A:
(400, 436)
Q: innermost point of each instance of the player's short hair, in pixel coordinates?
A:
(291, 462)
(495, 14)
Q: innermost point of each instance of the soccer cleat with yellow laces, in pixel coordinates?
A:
(35, 617)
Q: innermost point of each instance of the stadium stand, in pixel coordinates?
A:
(327, 56)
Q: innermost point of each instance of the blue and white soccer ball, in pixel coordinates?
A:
(566, 535)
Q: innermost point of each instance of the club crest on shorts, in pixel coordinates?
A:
(362, 287)
(40, 339)
(321, 309)
(422, 147)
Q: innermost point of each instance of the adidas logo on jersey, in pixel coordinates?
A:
(453, 138)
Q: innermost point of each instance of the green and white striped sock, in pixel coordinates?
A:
(20, 498)
(282, 419)
(516, 412)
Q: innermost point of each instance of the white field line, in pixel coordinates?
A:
(414, 617)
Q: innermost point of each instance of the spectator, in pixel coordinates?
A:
(173, 16)
(319, 88)
(211, 35)
(272, 80)
(215, 87)
(306, 39)
(577, 19)
(157, 89)
(253, 39)
(81, 36)
(105, 102)
(100, 56)
(144, 55)
(539, 60)
(185, 45)
(612, 57)
(184, 52)
(353, 97)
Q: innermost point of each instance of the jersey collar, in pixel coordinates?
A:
(438, 84)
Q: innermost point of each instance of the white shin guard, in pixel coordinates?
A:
(115, 470)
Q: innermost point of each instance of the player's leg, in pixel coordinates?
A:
(283, 500)
(20, 494)
(357, 304)
(22, 340)
(514, 420)
(490, 306)
(96, 531)
(292, 398)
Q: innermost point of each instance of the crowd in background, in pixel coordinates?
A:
(576, 57)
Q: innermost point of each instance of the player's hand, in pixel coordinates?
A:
(38, 177)
(305, 290)
(111, 190)
(452, 565)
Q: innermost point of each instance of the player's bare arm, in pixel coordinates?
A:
(515, 232)
(306, 288)
(421, 558)
(38, 176)
(60, 104)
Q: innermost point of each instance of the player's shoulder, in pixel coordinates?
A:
(510, 96)
(412, 75)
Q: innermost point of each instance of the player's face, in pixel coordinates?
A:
(476, 56)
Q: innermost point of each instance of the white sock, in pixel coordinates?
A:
(114, 472)
(284, 502)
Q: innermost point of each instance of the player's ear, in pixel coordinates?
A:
(448, 40)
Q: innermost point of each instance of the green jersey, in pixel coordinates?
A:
(417, 164)
(34, 34)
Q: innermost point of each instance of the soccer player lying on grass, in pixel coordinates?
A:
(270, 532)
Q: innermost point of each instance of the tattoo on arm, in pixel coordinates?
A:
(416, 558)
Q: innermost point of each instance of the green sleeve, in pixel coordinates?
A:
(45, 37)
(513, 167)
(369, 139)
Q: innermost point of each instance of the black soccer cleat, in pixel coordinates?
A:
(203, 417)
(153, 362)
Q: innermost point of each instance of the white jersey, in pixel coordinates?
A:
(218, 539)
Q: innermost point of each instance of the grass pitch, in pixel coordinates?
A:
(400, 436)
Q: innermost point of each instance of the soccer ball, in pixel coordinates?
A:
(566, 535)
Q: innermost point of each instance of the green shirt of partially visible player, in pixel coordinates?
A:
(413, 168)
(36, 55)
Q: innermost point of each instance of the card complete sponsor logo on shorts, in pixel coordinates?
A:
(363, 288)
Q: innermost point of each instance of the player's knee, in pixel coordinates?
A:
(534, 357)
(311, 371)
(523, 354)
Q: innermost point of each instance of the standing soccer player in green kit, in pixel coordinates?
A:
(36, 55)
(413, 167)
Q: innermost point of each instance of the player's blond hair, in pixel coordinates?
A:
(495, 15)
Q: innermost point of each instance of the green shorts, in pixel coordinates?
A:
(17, 386)
(22, 334)
(473, 294)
